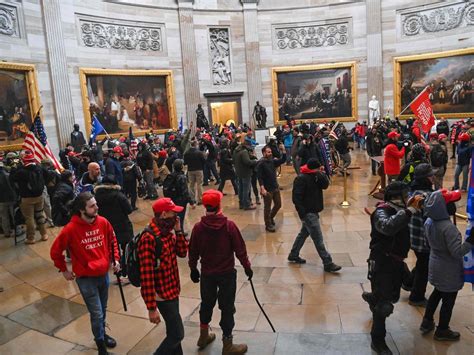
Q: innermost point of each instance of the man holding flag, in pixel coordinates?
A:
(422, 109)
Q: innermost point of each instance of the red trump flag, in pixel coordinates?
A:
(423, 110)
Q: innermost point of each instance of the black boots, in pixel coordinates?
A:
(380, 347)
(446, 335)
(102, 349)
(109, 341)
(332, 267)
(427, 326)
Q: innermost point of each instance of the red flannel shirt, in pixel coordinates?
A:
(164, 281)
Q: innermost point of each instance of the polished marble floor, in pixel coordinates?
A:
(313, 312)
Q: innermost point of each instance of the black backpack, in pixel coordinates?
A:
(132, 261)
(437, 156)
(170, 186)
(35, 181)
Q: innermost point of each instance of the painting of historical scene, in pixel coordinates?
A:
(312, 94)
(123, 101)
(451, 80)
(15, 110)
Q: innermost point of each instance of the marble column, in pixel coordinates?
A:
(252, 54)
(58, 69)
(374, 52)
(188, 53)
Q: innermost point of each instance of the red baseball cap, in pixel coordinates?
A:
(118, 149)
(464, 137)
(162, 153)
(165, 204)
(72, 154)
(171, 137)
(393, 135)
(433, 135)
(212, 198)
(442, 136)
(451, 196)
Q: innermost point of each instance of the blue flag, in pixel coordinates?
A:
(469, 258)
(180, 127)
(96, 128)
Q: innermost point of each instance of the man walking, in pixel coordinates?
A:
(269, 188)
(215, 240)
(244, 166)
(308, 199)
(195, 160)
(159, 275)
(91, 242)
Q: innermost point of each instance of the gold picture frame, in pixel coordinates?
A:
(31, 81)
(84, 73)
(398, 84)
(351, 66)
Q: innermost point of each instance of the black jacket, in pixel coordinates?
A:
(226, 171)
(390, 233)
(308, 151)
(442, 127)
(115, 207)
(374, 145)
(7, 193)
(182, 192)
(308, 193)
(194, 159)
(60, 203)
(342, 145)
(266, 172)
(20, 179)
(145, 160)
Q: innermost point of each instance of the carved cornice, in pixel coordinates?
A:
(437, 19)
(219, 50)
(9, 21)
(314, 34)
(100, 32)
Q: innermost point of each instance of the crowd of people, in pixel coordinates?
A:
(98, 189)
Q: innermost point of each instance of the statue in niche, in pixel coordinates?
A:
(260, 115)
(201, 120)
(374, 109)
(220, 55)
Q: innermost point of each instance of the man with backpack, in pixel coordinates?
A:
(215, 240)
(438, 158)
(29, 180)
(7, 199)
(158, 249)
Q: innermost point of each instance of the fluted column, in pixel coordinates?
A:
(188, 53)
(58, 69)
(374, 52)
(252, 54)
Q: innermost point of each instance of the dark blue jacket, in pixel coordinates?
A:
(113, 167)
(464, 153)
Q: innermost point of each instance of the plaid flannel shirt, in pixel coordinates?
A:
(164, 281)
(417, 233)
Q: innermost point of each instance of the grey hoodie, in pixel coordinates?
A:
(447, 249)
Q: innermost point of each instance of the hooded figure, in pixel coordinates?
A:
(446, 261)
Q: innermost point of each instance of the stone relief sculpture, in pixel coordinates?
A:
(9, 21)
(219, 48)
(120, 36)
(315, 35)
(439, 19)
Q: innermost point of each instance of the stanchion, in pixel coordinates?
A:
(345, 203)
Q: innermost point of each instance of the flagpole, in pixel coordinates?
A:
(413, 100)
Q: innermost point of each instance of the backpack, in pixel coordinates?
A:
(132, 261)
(170, 187)
(438, 156)
(35, 181)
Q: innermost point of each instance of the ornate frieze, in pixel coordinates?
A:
(120, 34)
(9, 24)
(308, 35)
(219, 50)
(432, 20)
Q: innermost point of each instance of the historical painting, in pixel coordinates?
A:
(323, 92)
(449, 75)
(120, 99)
(18, 103)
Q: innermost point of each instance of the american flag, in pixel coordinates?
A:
(37, 143)
(133, 144)
(469, 257)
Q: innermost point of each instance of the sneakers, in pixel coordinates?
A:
(446, 335)
(205, 338)
(29, 241)
(380, 347)
(421, 303)
(427, 326)
(296, 260)
(228, 348)
(332, 267)
(44, 237)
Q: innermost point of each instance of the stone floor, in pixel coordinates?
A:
(313, 312)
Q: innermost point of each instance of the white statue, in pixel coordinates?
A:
(374, 109)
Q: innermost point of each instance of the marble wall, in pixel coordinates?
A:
(371, 32)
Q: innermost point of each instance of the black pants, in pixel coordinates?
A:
(449, 299)
(386, 283)
(374, 166)
(130, 189)
(171, 345)
(219, 288)
(234, 185)
(182, 214)
(210, 170)
(454, 151)
(420, 279)
(254, 188)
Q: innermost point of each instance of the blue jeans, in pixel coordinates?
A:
(244, 192)
(311, 227)
(288, 154)
(465, 174)
(171, 345)
(95, 292)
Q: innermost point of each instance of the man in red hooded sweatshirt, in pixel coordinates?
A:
(392, 157)
(215, 239)
(90, 240)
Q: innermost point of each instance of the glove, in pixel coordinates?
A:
(249, 273)
(416, 202)
(195, 276)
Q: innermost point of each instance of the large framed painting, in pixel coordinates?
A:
(19, 102)
(141, 99)
(315, 92)
(450, 75)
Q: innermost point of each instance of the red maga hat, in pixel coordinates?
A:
(212, 198)
(393, 135)
(165, 204)
(451, 196)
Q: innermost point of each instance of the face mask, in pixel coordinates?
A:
(166, 224)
